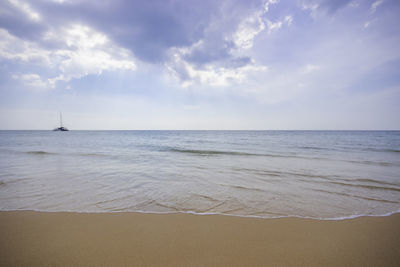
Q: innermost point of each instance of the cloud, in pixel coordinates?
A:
(306, 5)
(288, 20)
(21, 19)
(147, 28)
(375, 5)
(16, 49)
(251, 26)
(333, 5)
(27, 9)
(88, 52)
(31, 80)
(273, 26)
(82, 52)
(209, 43)
(211, 75)
(219, 57)
(68, 34)
(330, 6)
(309, 68)
(248, 30)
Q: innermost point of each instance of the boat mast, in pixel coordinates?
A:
(61, 120)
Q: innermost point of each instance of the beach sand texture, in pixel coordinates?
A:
(135, 239)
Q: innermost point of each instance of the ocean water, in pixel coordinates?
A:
(317, 174)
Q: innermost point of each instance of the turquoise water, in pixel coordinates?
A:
(318, 174)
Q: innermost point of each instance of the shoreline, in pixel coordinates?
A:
(349, 217)
(32, 238)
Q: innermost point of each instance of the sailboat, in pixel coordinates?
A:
(61, 128)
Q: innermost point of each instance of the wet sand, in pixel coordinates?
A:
(135, 239)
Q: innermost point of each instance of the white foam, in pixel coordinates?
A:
(347, 217)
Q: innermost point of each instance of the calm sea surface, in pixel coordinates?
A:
(318, 174)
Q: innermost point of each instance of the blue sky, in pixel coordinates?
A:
(179, 64)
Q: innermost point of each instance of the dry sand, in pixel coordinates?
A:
(134, 239)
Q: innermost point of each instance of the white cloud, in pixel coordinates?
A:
(84, 51)
(354, 4)
(255, 24)
(309, 6)
(31, 79)
(27, 9)
(375, 5)
(309, 68)
(268, 3)
(83, 37)
(212, 75)
(250, 27)
(220, 73)
(14, 48)
(90, 53)
(248, 30)
(273, 26)
(288, 19)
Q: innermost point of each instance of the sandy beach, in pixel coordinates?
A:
(134, 239)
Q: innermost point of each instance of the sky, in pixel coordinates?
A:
(191, 64)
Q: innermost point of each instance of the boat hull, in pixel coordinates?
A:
(61, 129)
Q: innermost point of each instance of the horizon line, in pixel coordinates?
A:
(206, 130)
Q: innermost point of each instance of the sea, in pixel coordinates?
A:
(328, 175)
